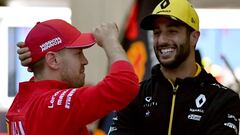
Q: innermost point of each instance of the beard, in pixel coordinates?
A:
(183, 51)
(72, 79)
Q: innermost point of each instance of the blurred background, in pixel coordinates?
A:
(218, 48)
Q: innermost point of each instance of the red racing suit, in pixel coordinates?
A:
(51, 107)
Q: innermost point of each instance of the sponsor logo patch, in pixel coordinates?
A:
(194, 117)
(50, 43)
(200, 100)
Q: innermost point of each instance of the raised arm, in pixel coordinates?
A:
(107, 36)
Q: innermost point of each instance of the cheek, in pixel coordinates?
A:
(74, 61)
(72, 65)
(155, 40)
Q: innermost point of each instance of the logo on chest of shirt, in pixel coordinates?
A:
(197, 112)
(149, 103)
(200, 100)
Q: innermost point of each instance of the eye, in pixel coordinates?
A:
(172, 32)
(78, 53)
(156, 32)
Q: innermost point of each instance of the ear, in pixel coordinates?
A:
(194, 38)
(53, 60)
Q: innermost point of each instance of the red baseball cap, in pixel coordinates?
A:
(54, 35)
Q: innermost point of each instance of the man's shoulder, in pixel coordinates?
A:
(222, 90)
(223, 97)
(213, 86)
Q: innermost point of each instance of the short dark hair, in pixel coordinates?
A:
(38, 67)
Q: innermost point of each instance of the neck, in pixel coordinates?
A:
(184, 70)
(47, 75)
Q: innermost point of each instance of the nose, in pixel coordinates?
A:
(84, 60)
(162, 39)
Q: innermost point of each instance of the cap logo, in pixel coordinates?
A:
(51, 43)
(192, 20)
(164, 3)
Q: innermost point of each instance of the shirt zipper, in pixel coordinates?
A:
(175, 88)
(172, 107)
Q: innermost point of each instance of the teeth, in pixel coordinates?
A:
(166, 50)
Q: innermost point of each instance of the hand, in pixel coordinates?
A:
(24, 54)
(106, 34)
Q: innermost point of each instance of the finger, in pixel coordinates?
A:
(20, 44)
(22, 50)
(24, 56)
(26, 61)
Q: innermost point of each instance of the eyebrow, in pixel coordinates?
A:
(172, 24)
(175, 24)
(78, 50)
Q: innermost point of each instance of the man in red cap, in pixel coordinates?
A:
(54, 101)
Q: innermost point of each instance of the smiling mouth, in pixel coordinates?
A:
(166, 50)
